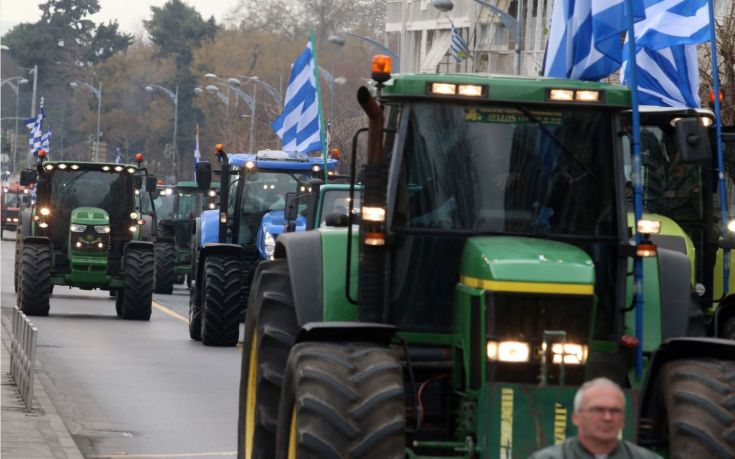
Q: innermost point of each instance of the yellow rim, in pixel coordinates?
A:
(292, 436)
(529, 287)
(250, 404)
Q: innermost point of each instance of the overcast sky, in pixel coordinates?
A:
(129, 13)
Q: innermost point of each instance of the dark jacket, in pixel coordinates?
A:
(572, 449)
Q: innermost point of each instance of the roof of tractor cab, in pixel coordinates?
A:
(192, 186)
(505, 88)
(92, 165)
(276, 160)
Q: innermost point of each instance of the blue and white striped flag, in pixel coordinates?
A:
(460, 49)
(584, 41)
(46, 143)
(299, 126)
(35, 134)
(197, 155)
(666, 56)
(118, 158)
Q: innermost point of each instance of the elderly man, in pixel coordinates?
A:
(599, 414)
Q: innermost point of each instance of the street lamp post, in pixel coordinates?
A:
(340, 41)
(174, 95)
(250, 100)
(16, 88)
(331, 80)
(97, 92)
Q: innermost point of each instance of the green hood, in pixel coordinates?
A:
(89, 216)
(517, 264)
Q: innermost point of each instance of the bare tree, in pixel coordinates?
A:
(725, 31)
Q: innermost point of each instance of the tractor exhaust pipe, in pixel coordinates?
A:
(371, 284)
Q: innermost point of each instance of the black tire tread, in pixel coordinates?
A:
(220, 311)
(137, 296)
(700, 412)
(365, 418)
(165, 254)
(35, 279)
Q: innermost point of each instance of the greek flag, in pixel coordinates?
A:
(45, 143)
(299, 126)
(584, 41)
(197, 155)
(460, 49)
(118, 158)
(35, 135)
(666, 56)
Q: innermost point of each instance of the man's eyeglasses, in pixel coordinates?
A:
(600, 411)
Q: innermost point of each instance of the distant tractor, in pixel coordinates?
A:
(232, 240)
(14, 199)
(489, 277)
(176, 232)
(84, 231)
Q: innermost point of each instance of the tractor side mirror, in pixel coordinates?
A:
(28, 177)
(138, 181)
(727, 242)
(692, 141)
(150, 183)
(204, 175)
(292, 207)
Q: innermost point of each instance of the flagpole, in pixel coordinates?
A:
(718, 140)
(637, 196)
(319, 102)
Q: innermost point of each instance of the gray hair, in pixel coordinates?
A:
(594, 383)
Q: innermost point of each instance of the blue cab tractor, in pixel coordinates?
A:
(232, 240)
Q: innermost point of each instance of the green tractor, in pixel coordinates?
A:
(176, 233)
(491, 275)
(85, 231)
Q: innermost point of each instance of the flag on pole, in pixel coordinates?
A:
(46, 143)
(35, 134)
(197, 155)
(584, 40)
(460, 49)
(118, 158)
(666, 52)
(299, 126)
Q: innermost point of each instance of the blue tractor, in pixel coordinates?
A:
(232, 240)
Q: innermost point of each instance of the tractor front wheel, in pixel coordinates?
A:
(342, 400)
(270, 332)
(135, 298)
(34, 279)
(195, 315)
(165, 265)
(699, 400)
(220, 311)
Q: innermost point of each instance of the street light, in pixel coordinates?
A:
(236, 81)
(97, 92)
(250, 100)
(174, 95)
(16, 88)
(340, 41)
(331, 80)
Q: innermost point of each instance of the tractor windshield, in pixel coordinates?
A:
(266, 191)
(164, 205)
(505, 169)
(10, 199)
(190, 204)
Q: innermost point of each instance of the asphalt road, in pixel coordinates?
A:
(133, 389)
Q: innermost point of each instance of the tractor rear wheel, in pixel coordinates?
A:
(18, 258)
(195, 315)
(342, 400)
(165, 264)
(220, 311)
(700, 402)
(136, 297)
(270, 332)
(34, 280)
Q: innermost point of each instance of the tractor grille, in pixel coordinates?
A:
(525, 317)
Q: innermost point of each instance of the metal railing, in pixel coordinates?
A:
(23, 355)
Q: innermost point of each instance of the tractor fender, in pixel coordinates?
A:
(725, 311)
(25, 223)
(303, 250)
(347, 331)
(677, 303)
(214, 249)
(651, 399)
(37, 240)
(143, 245)
(208, 227)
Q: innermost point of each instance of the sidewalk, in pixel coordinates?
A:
(36, 434)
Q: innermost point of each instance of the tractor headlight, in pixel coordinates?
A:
(573, 354)
(133, 229)
(508, 351)
(104, 229)
(270, 244)
(211, 205)
(74, 228)
(134, 215)
(45, 211)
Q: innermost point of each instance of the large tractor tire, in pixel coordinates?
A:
(700, 404)
(135, 299)
(342, 400)
(195, 315)
(165, 264)
(270, 332)
(34, 279)
(17, 260)
(220, 311)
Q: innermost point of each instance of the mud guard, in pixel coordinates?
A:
(303, 250)
(347, 331)
(677, 304)
(212, 249)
